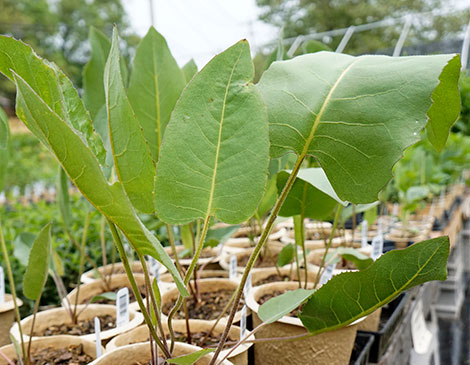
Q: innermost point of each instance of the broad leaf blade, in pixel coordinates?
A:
(104, 296)
(190, 358)
(286, 255)
(93, 94)
(155, 86)
(83, 169)
(38, 265)
(356, 114)
(4, 145)
(278, 307)
(189, 70)
(134, 165)
(214, 156)
(63, 198)
(51, 84)
(352, 295)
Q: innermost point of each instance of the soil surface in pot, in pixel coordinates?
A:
(72, 355)
(274, 294)
(115, 291)
(209, 308)
(83, 327)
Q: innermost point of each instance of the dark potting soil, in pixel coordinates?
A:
(198, 339)
(110, 301)
(72, 355)
(210, 306)
(274, 294)
(84, 327)
(273, 278)
(263, 261)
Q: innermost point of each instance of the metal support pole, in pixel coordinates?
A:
(344, 41)
(465, 48)
(403, 35)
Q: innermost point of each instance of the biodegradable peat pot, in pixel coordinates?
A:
(141, 334)
(97, 287)
(314, 259)
(55, 342)
(59, 316)
(243, 255)
(346, 241)
(241, 240)
(402, 242)
(270, 274)
(7, 317)
(333, 347)
(116, 269)
(139, 353)
(204, 286)
(209, 257)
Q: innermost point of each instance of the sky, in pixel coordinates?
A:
(200, 29)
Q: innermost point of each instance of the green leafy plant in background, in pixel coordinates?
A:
(214, 153)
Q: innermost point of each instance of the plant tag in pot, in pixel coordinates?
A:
(327, 274)
(2, 285)
(154, 267)
(364, 234)
(98, 336)
(232, 273)
(122, 307)
(247, 288)
(395, 210)
(243, 323)
(377, 246)
(420, 333)
(379, 226)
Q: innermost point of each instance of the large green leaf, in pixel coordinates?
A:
(155, 86)
(83, 169)
(189, 70)
(132, 159)
(38, 265)
(190, 358)
(352, 295)
(357, 114)
(305, 198)
(51, 85)
(4, 145)
(214, 156)
(93, 90)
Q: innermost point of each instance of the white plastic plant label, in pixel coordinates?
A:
(377, 246)
(442, 198)
(379, 226)
(327, 274)
(395, 210)
(154, 267)
(98, 337)
(2, 285)
(247, 288)
(243, 323)
(364, 234)
(122, 307)
(232, 272)
(420, 333)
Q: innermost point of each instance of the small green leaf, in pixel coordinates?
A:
(187, 237)
(358, 208)
(132, 159)
(277, 307)
(269, 198)
(214, 156)
(155, 86)
(57, 263)
(22, 246)
(4, 145)
(189, 70)
(359, 260)
(38, 265)
(104, 296)
(190, 358)
(352, 295)
(286, 255)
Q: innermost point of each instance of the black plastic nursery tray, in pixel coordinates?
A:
(361, 350)
(391, 317)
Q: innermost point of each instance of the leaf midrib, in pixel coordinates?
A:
(157, 99)
(219, 138)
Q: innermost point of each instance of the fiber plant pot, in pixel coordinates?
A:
(116, 269)
(213, 287)
(333, 347)
(56, 342)
(59, 316)
(141, 334)
(97, 287)
(241, 238)
(269, 275)
(7, 317)
(139, 353)
(209, 257)
(314, 259)
(243, 256)
(316, 231)
(346, 241)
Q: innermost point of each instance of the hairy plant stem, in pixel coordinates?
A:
(135, 289)
(35, 312)
(13, 292)
(332, 234)
(187, 278)
(298, 232)
(256, 251)
(82, 264)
